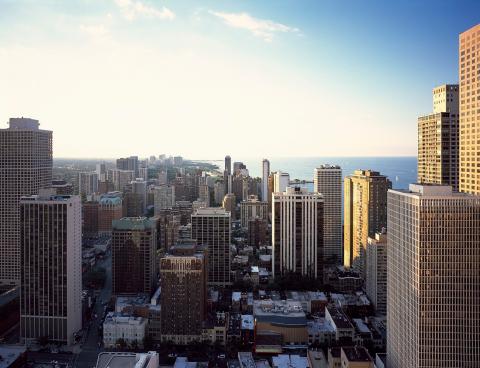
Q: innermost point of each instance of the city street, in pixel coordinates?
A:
(90, 343)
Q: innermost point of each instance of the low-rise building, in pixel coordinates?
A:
(121, 329)
(320, 332)
(289, 361)
(317, 359)
(344, 329)
(355, 357)
(127, 360)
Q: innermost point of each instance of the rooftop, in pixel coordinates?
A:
(282, 312)
(356, 354)
(212, 211)
(290, 361)
(133, 223)
(126, 360)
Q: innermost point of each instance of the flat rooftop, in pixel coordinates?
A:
(356, 354)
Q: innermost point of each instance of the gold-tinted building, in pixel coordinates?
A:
(438, 137)
(365, 212)
(469, 68)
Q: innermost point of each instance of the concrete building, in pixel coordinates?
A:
(127, 360)
(128, 164)
(87, 183)
(469, 110)
(230, 205)
(120, 178)
(211, 227)
(183, 273)
(50, 267)
(281, 181)
(365, 212)
(129, 329)
(101, 170)
(265, 175)
(438, 139)
(327, 180)
(251, 209)
(218, 193)
(25, 167)
(134, 241)
(164, 197)
(433, 277)
(376, 273)
(297, 233)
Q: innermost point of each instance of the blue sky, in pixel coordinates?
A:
(246, 78)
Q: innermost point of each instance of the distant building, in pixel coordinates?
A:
(252, 208)
(433, 278)
(128, 164)
(365, 212)
(211, 227)
(134, 242)
(25, 167)
(51, 267)
(62, 187)
(183, 276)
(265, 175)
(297, 233)
(230, 205)
(164, 197)
(120, 178)
(109, 209)
(438, 139)
(218, 193)
(87, 183)
(281, 181)
(228, 165)
(327, 180)
(90, 218)
(376, 274)
(101, 170)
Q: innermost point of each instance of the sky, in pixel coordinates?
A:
(249, 78)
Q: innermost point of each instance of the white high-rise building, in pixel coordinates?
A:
(376, 274)
(87, 183)
(101, 170)
(281, 181)
(163, 197)
(25, 167)
(265, 175)
(51, 267)
(433, 278)
(327, 180)
(297, 233)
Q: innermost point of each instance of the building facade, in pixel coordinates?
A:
(51, 267)
(164, 197)
(376, 273)
(87, 183)
(365, 212)
(265, 175)
(251, 209)
(297, 233)
(327, 180)
(438, 139)
(134, 243)
(25, 167)
(433, 277)
(211, 227)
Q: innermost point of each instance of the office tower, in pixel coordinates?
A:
(252, 208)
(365, 212)
(50, 267)
(237, 187)
(162, 178)
(134, 241)
(433, 278)
(183, 277)
(211, 227)
(164, 197)
(87, 183)
(62, 187)
(438, 139)
(110, 207)
(257, 232)
(204, 194)
(229, 204)
(228, 165)
(469, 66)
(297, 233)
(128, 164)
(271, 179)
(376, 272)
(143, 173)
(139, 188)
(168, 225)
(327, 180)
(120, 178)
(281, 181)
(25, 167)
(265, 174)
(101, 170)
(219, 192)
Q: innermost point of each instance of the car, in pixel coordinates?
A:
(221, 356)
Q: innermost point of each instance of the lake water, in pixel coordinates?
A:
(402, 171)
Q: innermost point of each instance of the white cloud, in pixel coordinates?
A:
(97, 31)
(132, 9)
(262, 28)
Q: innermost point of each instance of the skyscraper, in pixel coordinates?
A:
(164, 197)
(438, 139)
(251, 209)
(281, 181)
(183, 276)
(433, 278)
(327, 180)
(230, 204)
(128, 164)
(51, 267)
(265, 174)
(469, 67)
(25, 167)
(297, 233)
(134, 241)
(87, 183)
(228, 165)
(365, 212)
(211, 227)
(376, 272)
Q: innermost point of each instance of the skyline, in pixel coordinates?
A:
(265, 70)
